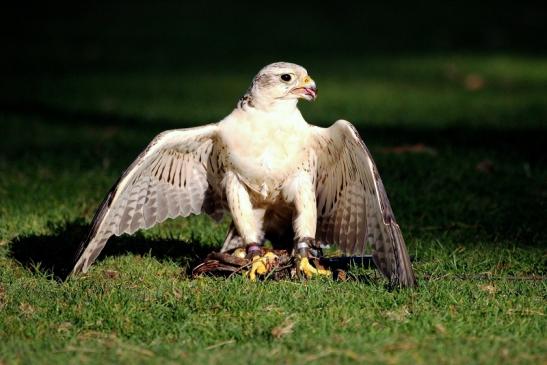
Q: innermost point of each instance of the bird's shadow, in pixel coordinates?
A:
(54, 254)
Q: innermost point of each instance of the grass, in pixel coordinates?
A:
(471, 205)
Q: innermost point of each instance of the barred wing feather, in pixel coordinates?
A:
(352, 204)
(176, 175)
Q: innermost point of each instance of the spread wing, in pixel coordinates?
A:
(352, 204)
(176, 175)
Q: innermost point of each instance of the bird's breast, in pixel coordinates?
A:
(264, 154)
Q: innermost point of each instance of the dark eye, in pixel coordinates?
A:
(286, 77)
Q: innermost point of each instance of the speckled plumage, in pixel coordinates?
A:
(278, 176)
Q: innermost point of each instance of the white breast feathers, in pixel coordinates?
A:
(265, 147)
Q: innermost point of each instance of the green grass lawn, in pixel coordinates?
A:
(471, 204)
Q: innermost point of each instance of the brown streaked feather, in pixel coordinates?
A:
(172, 177)
(352, 204)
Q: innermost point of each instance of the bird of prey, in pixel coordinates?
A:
(280, 178)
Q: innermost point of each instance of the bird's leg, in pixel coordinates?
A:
(301, 192)
(302, 253)
(247, 222)
(252, 250)
(261, 263)
(241, 208)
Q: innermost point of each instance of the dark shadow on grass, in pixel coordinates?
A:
(53, 254)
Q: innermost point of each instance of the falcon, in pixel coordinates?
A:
(281, 179)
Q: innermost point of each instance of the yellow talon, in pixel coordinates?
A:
(261, 265)
(305, 267)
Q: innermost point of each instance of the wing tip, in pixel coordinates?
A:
(407, 280)
(80, 262)
(78, 268)
(400, 276)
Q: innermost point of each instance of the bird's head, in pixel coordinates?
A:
(282, 81)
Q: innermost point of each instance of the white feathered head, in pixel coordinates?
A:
(283, 81)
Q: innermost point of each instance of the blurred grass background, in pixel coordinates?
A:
(451, 99)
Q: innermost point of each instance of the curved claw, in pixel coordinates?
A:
(308, 270)
(261, 265)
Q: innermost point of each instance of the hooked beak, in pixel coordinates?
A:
(306, 89)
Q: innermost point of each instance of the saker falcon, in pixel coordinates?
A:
(280, 178)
